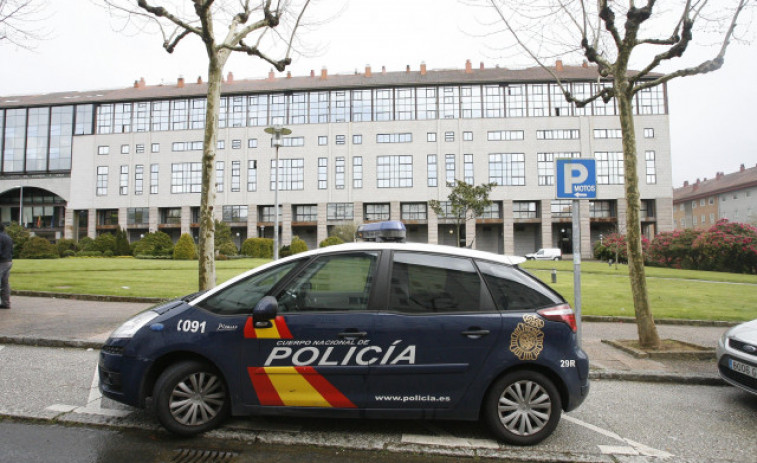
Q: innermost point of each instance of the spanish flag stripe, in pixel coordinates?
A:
(267, 394)
(325, 388)
(294, 389)
(281, 326)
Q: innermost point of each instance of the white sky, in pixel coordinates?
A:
(711, 116)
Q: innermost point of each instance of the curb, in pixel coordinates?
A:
(50, 342)
(660, 321)
(88, 297)
(657, 377)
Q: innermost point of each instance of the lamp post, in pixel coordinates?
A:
(277, 131)
(21, 205)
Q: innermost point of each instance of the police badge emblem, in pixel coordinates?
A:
(527, 340)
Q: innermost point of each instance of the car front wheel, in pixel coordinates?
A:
(522, 408)
(190, 398)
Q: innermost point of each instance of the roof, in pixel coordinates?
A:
(722, 183)
(314, 82)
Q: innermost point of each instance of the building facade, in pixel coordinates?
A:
(727, 196)
(364, 147)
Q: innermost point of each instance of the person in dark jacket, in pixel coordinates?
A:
(6, 262)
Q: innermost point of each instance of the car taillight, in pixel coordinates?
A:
(560, 313)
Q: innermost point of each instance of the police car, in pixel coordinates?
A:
(374, 330)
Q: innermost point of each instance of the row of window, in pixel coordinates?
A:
(711, 200)
(363, 105)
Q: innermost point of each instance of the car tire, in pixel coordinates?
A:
(191, 397)
(522, 408)
(556, 259)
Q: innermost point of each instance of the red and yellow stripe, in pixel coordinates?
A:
(277, 330)
(295, 387)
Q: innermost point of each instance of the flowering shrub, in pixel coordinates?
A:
(727, 247)
(614, 247)
(674, 249)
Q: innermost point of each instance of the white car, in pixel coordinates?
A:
(737, 356)
(545, 254)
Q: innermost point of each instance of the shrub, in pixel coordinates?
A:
(345, 232)
(298, 245)
(122, 247)
(86, 244)
(258, 247)
(614, 247)
(89, 254)
(227, 249)
(330, 241)
(154, 244)
(185, 248)
(19, 235)
(285, 251)
(223, 241)
(727, 247)
(108, 253)
(673, 249)
(66, 245)
(105, 242)
(37, 247)
(68, 253)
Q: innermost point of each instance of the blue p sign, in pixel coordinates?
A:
(576, 179)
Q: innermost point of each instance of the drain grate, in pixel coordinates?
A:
(203, 456)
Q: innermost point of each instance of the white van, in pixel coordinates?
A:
(546, 254)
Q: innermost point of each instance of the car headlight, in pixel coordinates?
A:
(130, 327)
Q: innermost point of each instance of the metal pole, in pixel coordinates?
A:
(21, 208)
(577, 265)
(276, 204)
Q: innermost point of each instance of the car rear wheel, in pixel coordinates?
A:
(522, 408)
(190, 398)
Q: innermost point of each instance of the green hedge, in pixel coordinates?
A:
(258, 247)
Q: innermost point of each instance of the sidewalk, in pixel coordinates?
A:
(47, 321)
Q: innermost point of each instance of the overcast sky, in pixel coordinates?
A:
(712, 121)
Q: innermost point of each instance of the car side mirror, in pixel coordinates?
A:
(265, 310)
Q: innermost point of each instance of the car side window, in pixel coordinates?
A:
(340, 282)
(242, 296)
(428, 283)
(513, 289)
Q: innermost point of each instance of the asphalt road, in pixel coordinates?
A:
(620, 421)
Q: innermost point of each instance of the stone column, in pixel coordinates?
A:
(153, 219)
(622, 219)
(186, 219)
(68, 225)
(92, 223)
(252, 221)
(395, 212)
(546, 224)
(358, 212)
(286, 224)
(470, 233)
(433, 227)
(123, 217)
(508, 227)
(322, 230)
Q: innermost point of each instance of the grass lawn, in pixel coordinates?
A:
(606, 291)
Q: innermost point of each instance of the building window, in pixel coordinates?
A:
(323, 141)
(179, 115)
(340, 211)
(236, 144)
(394, 171)
(107, 217)
(470, 101)
(323, 173)
(374, 212)
(609, 168)
(507, 169)
(153, 179)
(651, 101)
(102, 150)
(449, 136)
(383, 100)
(186, 177)
(504, 135)
(608, 133)
(140, 148)
(545, 165)
(340, 139)
(219, 176)
(124, 149)
(468, 168)
(361, 105)
(291, 141)
(139, 177)
(257, 111)
(394, 138)
(235, 175)
(221, 145)
(431, 137)
(647, 209)
(267, 215)
(560, 106)
(235, 214)
(340, 106)
(170, 216)
(160, 112)
(357, 172)
(339, 173)
(298, 108)
(252, 142)
(426, 103)
(278, 109)
(252, 175)
(414, 211)
(648, 133)
(494, 101)
(601, 209)
(306, 213)
(449, 102)
(538, 100)
(558, 134)
(432, 171)
(357, 139)
(651, 167)
(83, 124)
(180, 146)
(405, 104)
(197, 113)
(138, 216)
(102, 180)
(525, 210)
(104, 121)
(291, 174)
(561, 208)
(515, 100)
(155, 148)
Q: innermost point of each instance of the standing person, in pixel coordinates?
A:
(6, 262)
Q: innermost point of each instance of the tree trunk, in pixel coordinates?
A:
(207, 263)
(645, 325)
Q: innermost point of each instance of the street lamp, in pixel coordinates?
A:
(277, 131)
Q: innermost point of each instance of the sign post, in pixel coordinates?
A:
(576, 180)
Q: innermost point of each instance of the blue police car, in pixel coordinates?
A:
(375, 330)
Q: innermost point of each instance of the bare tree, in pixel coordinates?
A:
(606, 33)
(465, 202)
(19, 22)
(244, 26)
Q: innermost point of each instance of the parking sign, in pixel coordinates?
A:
(576, 178)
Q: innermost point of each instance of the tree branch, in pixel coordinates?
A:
(161, 12)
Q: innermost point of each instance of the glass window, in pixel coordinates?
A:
(323, 140)
(561, 208)
(357, 139)
(449, 102)
(153, 179)
(340, 140)
(38, 126)
(278, 109)
(449, 169)
(339, 173)
(340, 211)
(651, 167)
(560, 106)
(61, 132)
(375, 212)
(307, 213)
(238, 112)
(468, 168)
(648, 133)
(257, 110)
(427, 103)
(361, 105)
(524, 210)
(242, 296)
(105, 118)
(494, 101)
(357, 172)
(514, 290)
(235, 175)
(340, 106)
(138, 216)
(470, 101)
(252, 142)
(337, 283)
(197, 113)
(319, 107)
(601, 209)
(515, 100)
(252, 175)
(84, 119)
(414, 211)
(235, 213)
(449, 136)
(507, 169)
(179, 115)
(323, 173)
(431, 170)
(428, 283)
(545, 165)
(186, 177)
(139, 179)
(219, 176)
(383, 102)
(405, 104)
(123, 187)
(298, 108)
(467, 136)
(155, 148)
(102, 181)
(160, 112)
(609, 168)
(431, 137)
(394, 171)
(291, 174)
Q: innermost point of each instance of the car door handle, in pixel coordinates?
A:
(475, 333)
(352, 334)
